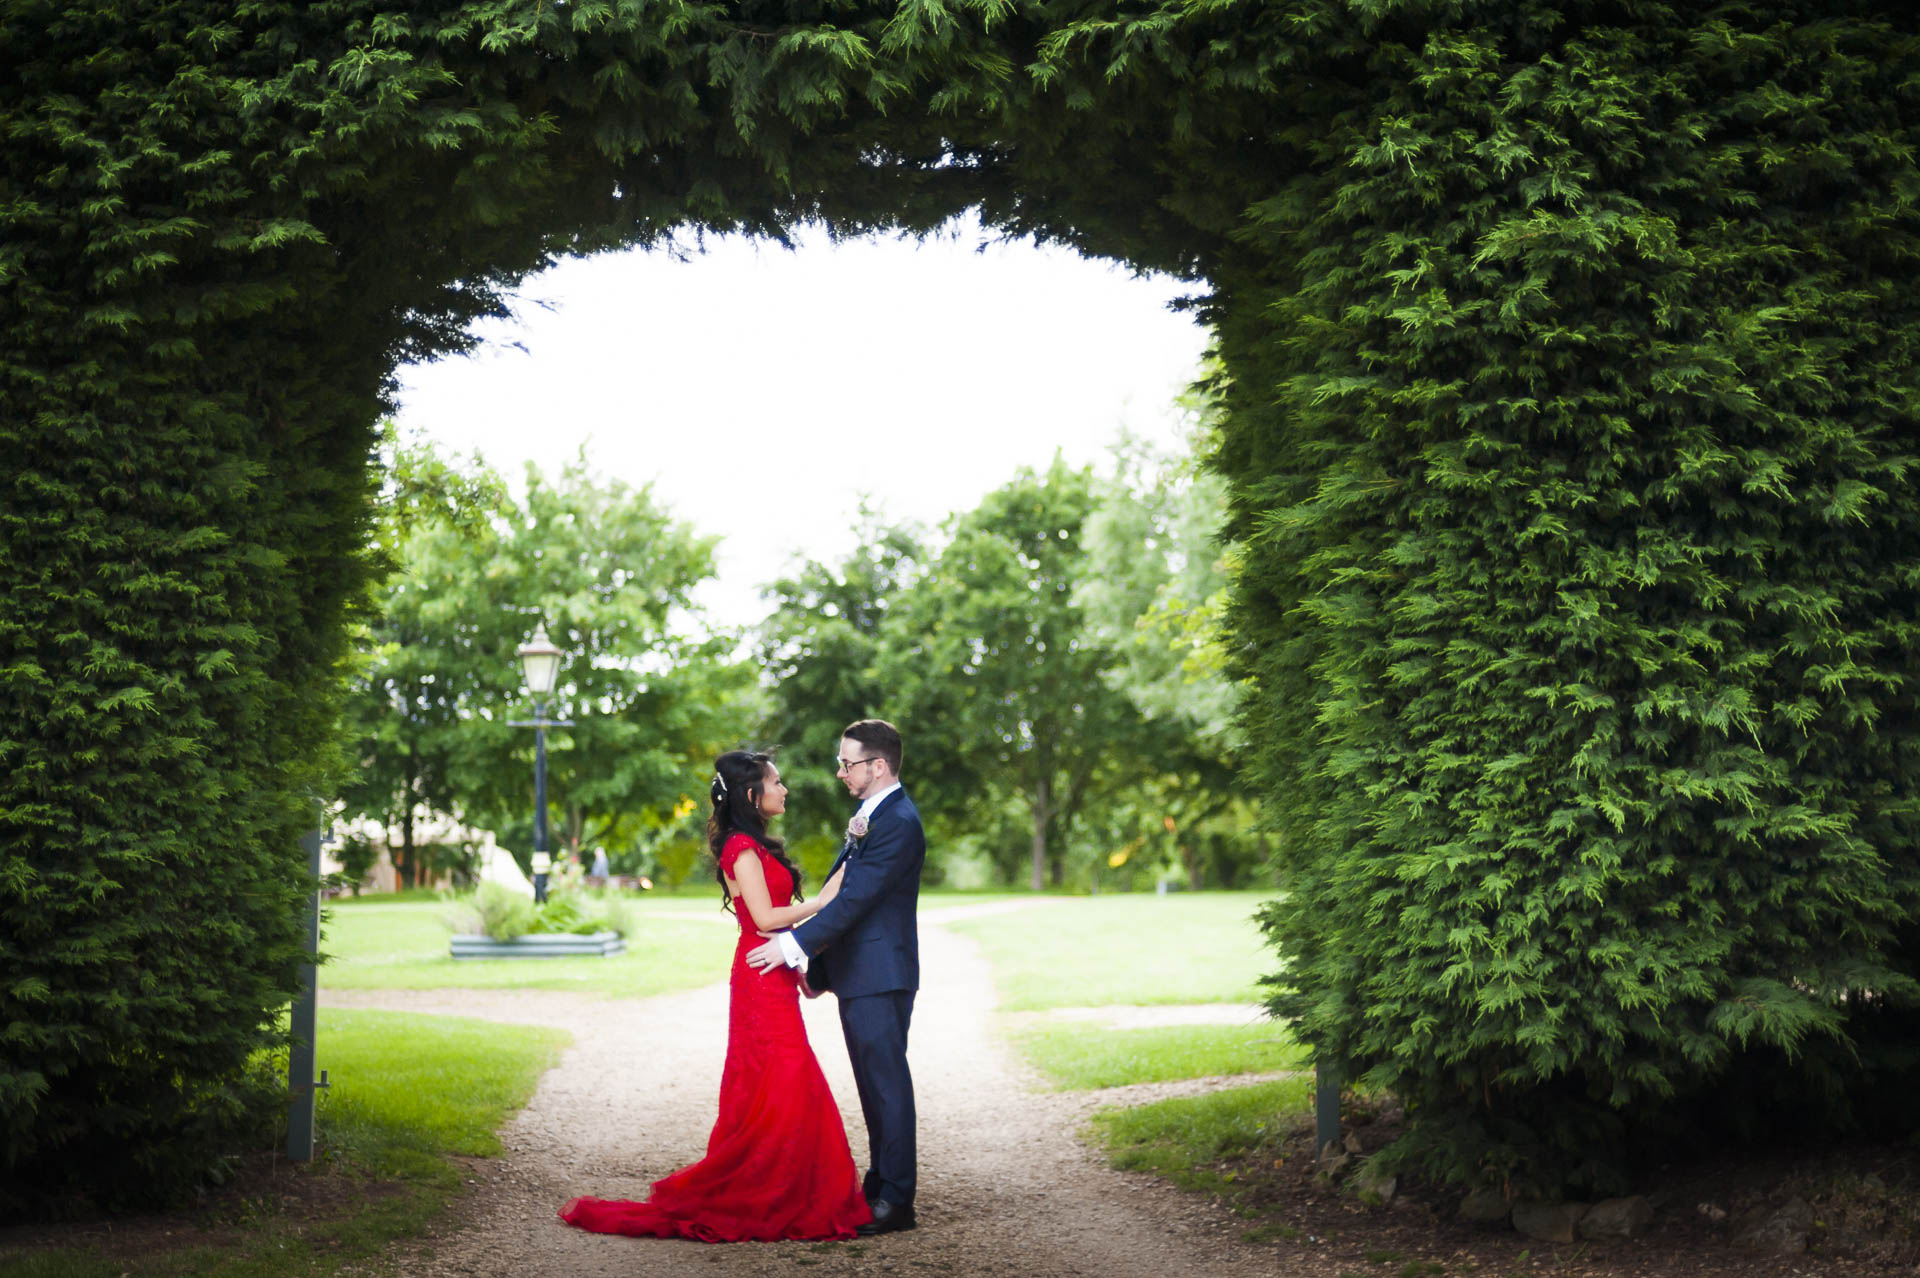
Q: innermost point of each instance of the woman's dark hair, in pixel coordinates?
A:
(739, 779)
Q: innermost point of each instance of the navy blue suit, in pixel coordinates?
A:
(864, 945)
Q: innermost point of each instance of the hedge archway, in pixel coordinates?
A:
(1568, 356)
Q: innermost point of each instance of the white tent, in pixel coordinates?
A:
(496, 865)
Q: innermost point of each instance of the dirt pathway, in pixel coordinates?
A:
(1005, 1187)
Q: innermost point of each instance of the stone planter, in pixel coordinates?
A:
(541, 945)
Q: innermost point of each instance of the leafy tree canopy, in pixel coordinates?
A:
(819, 649)
(1007, 688)
(610, 574)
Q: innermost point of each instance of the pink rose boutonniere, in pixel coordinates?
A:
(857, 828)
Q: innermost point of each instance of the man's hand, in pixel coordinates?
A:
(764, 958)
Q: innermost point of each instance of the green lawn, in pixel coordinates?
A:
(407, 1092)
(680, 940)
(673, 946)
(406, 1088)
(1077, 1057)
(1186, 947)
(1183, 1139)
(1104, 951)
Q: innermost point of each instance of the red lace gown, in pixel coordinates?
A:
(777, 1163)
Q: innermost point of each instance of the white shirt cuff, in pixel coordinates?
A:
(790, 950)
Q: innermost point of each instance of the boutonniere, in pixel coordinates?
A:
(856, 828)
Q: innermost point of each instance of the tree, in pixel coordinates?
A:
(607, 571)
(991, 653)
(819, 648)
(1153, 591)
(416, 681)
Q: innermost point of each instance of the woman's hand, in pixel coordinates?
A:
(831, 888)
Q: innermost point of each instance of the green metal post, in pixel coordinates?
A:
(300, 1062)
(1326, 1106)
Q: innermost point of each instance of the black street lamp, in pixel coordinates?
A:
(541, 662)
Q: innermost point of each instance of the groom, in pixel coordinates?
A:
(864, 947)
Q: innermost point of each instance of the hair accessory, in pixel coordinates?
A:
(720, 781)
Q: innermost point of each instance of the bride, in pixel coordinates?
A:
(777, 1163)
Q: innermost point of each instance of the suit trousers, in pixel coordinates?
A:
(876, 1029)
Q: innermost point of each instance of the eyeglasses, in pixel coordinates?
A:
(848, 765)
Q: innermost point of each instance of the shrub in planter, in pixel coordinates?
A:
(502, 914)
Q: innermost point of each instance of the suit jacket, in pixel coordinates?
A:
(866, 941)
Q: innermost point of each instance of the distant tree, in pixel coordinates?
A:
(819, 647)
(1153, 591)
(414, 683)
(609, 573)
(992, 654)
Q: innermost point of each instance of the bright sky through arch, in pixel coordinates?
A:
(762, 391)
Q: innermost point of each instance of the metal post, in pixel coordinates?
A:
(300, 1061)
(539, 797)
(1326, 1106)
(540, 723)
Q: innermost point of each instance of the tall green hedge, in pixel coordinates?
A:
(221, 227)
(1576, 464)
(1566, 351)
(185, 482)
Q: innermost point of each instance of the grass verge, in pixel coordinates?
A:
(405, 946)
(410, 1093)
(1078, 1057)
(1191, 1140)
(1188, 947)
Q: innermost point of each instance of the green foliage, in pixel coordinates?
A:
(676, 859)
(1155, 585)
(1567, 361)
(1572, 449)
(496, 911)
(357, 857)
(820, 647)
(815, 855)
(1069, 717)
(414, 684)
(604, 566)
(1153, 588)
(1004, 687)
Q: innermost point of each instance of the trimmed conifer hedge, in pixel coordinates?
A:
(1581, 539)
(1568, 355)
(221, 228)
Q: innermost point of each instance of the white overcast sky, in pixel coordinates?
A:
(763, 392)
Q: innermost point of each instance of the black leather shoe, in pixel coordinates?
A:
(888, 1218)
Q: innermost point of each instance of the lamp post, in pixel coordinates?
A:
(540, 660)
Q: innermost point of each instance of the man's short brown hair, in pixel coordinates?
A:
(881, 739)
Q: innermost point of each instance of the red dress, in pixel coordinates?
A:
(777, 1163)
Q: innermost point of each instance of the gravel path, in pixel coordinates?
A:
(1005, 1187)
